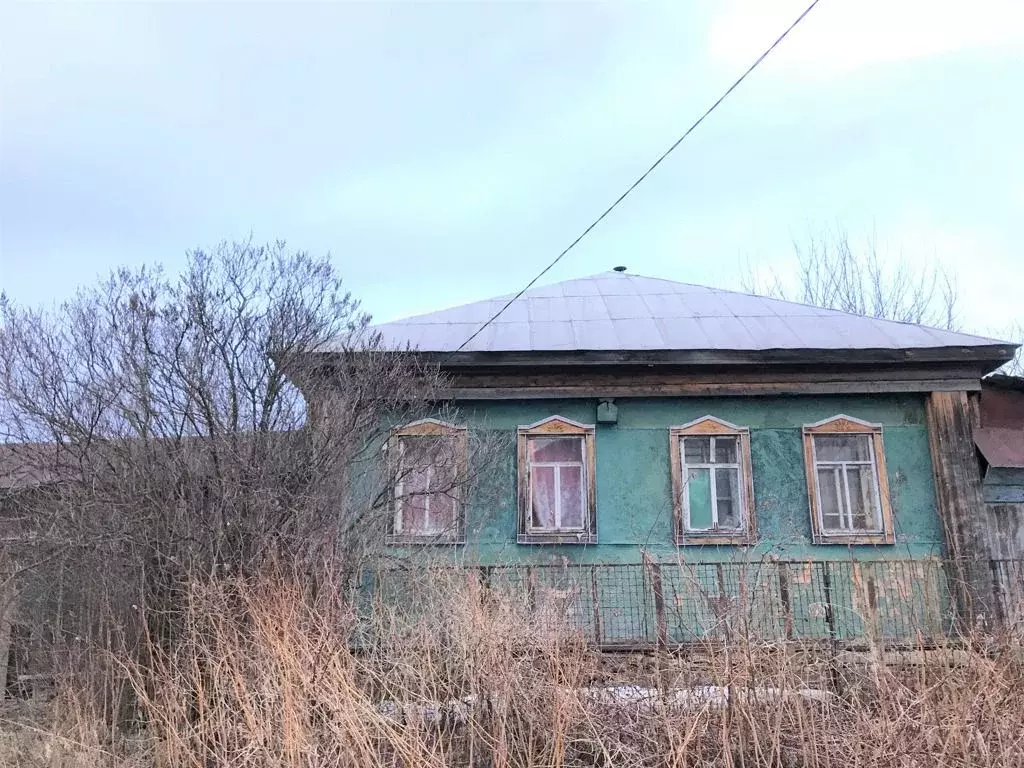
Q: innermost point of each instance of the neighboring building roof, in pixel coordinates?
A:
(1003, 381)
(1002, 448)
(617, 311)
(1002, 402)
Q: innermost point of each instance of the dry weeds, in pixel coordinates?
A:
(281, 672)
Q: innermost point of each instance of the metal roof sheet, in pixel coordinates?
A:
(618, 311)
(1003, 448)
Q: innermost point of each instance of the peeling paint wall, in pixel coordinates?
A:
(633, 478)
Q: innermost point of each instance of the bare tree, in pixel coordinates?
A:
(172, 444)
(1015, 333)
(832, 273)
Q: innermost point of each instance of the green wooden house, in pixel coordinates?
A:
(671, 447)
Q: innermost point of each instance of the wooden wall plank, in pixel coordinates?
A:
(951, 422)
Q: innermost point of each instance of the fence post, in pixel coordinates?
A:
(997, 592)
(531, 588)
(826, 588)
(787, 605)
(724, 612)
(597, 605)
(659, 605)
(830, 620)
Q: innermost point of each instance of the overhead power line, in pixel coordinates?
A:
(644, 175)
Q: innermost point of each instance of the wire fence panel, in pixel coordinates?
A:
(623, 601)
(675, 604)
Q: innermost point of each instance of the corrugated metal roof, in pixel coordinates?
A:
(616, 311)
(1003, 448)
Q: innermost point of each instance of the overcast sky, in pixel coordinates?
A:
(444, 153)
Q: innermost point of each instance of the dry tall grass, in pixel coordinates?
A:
(280, 672)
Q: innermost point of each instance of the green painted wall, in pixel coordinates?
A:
(633, 479)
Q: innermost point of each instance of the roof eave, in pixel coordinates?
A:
(1004, 381)
(987, 358)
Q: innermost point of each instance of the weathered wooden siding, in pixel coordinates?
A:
(1004, 531)
(1001, 407)
(1003, 486)
(952, 418)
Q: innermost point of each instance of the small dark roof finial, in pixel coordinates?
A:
(619, 269)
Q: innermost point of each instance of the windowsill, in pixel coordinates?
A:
(741, 538)
(406, 539)
(854, 538)
(557, 538)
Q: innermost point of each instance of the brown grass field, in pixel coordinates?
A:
(271, 673)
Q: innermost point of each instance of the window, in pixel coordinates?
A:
(847, 483)
(712, 488)
(557, 503)
(428, 460)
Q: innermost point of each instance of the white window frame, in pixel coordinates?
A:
(713, 427)
(846, 426)
(429, 429)
(557, 466)
(843, 487)
(712, 466)
(427, 497)
(556, 426)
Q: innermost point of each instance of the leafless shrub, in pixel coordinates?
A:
(158, 436)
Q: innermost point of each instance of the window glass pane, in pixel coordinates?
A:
(725, 450)
(442, 513)
(571, 495)
(414, 516)
(862, 498)
(542, 486)
(424, 451)
(426, 485)
(556, 449)
(842, 447)
(828, 496)
(446, 464)
(728, 497)
(415, 479)
(697, 450)
(414, 502)
(698, 490)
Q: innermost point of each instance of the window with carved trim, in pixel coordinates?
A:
(428, 462)
(847, 482)
(712, 487)
(557, 501)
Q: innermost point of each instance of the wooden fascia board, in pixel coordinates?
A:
(989, 357)
(703, 389)
(488, 382)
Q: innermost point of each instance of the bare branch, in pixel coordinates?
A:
(831, 273)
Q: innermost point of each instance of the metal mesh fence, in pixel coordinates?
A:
(636, 605)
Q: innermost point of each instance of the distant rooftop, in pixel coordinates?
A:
(618, 311)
